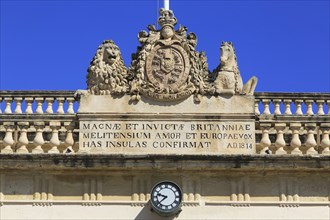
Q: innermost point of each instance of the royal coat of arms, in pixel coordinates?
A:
(166, 66)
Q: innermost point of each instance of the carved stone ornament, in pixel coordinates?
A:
(166, 67)
(228, 80)
(107, 72)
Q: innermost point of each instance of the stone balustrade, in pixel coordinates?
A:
(37, 137)
(292, 103)
(45, 122)
(38, 122)
(292, 123)
(293, 138)
(37, 102)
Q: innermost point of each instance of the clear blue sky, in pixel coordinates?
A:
(47, 45)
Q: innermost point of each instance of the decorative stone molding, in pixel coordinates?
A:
(43, 190)
(310, 143)
(265, 141)
(54, 141)
(325, 142)
(280, 142)
(289, 190)
(191, 188)
(8, 102)
(8, 141)
(141, 187)
(18, 108)
(240, 190)
(93, 189)
(38, 140)
(69, 141)
(295, 141)
(23, 140)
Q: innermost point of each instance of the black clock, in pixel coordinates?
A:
(166, 198)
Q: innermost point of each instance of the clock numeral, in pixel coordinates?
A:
(176, 193)
(157, 189)
(163, 207)
(163, 186)
(174, 189)
(174, 204)
(177, 199)
(169, 207)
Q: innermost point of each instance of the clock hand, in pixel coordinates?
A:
(164, 197)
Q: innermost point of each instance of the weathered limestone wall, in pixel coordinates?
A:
(118, 187)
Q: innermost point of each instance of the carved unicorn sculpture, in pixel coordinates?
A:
(228, 79)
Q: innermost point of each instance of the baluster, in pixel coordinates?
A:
(39, 102)
(298, 103)
(277, 104)
(328, 104)
(256, 107)
(8, 141)
(23, 140)
(280, 142)
(49, 109)
(287, 103)
(60, 102)
(266, 103)
(325, 143)
(18, 109)
(70, 105)
(265, 141)
(309, 104)
(8, 102)
(29, 102)
(69, 141)
(310, 140)
(0, 104)
(38, 139)
(295, 142)
(54, 140)
(320, 107)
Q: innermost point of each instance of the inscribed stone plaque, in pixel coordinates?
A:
(167, 137)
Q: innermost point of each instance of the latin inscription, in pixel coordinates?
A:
(163, 137)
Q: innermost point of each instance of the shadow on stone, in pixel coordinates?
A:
(147, 213)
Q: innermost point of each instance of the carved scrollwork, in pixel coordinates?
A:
(167, 67)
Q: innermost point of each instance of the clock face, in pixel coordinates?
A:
(166, 198)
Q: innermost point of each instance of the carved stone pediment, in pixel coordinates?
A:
(166, 67)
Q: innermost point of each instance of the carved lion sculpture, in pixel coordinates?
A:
(229, 80)
(107, 72)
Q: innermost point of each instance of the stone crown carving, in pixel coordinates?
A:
(166, 67)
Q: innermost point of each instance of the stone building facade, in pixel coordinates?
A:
(165, 138)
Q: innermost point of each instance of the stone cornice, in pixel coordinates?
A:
(96, 162)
